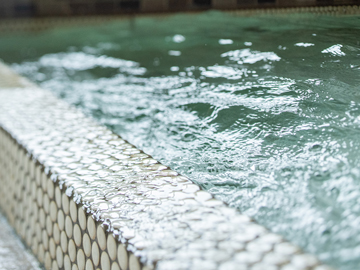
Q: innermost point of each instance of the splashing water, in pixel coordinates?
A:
(262, 112)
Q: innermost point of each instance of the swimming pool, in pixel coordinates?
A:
(262, 112)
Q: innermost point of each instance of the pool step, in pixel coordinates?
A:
(83, 198)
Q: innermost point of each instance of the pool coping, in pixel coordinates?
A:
(81, 196)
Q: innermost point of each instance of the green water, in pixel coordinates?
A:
(263, 112)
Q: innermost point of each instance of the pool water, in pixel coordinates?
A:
(263, 112)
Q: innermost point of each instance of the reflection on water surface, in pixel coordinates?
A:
(262, 112)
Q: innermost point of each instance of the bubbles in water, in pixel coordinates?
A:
(225, 41)
(334, 50)
(174, 53)
(304, 44)
(178, 38)
(248, 56)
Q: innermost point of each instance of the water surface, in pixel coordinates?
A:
(262, 112)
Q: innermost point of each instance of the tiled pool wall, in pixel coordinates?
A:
(80, 198)
(16, 8)
(57, 230)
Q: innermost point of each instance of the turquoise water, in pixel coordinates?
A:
(263, 112)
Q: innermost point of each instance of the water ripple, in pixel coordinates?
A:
(263, 112)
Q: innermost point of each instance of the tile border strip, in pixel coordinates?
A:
(83, 198)
(41, 24)
(12, 8)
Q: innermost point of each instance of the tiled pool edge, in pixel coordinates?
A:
(38, 224)
(50, 174)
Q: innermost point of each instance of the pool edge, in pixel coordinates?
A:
(37, 198)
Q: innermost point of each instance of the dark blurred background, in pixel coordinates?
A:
(43, 8)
